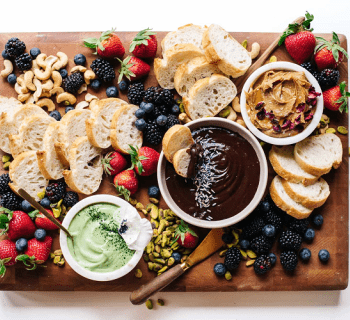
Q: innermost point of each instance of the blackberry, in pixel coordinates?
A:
(289, 260)
(103, 69)
(70, 199)
(164, 110)
(165, 97)
(232, 258)
(10, 201)
(298, 225)
(55, 191)
(253, 229)
(14, 47)
(73, 82)
(262, 264)
(274, 219)
(309, 67)
(4, 183)
(171, 121)
(328, 78)
(290, 240)
(153, 134)
(151, 93)
(136, 93)
(24, 62)
(261, 245)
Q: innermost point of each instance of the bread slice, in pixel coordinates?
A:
(188, 73)
(317, 154)
(176, 138)
(49, 164)
(30, 134)
(221, 48)
(8, 105)
(164, 69)
(72, 127)
(25, 173)
(188, 33)
(98, 126)
(181, 161)
(311, 197)
(209, 96)
(285, 202)
(283, 162)
(85, 174)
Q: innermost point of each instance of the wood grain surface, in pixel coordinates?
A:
(333, 235)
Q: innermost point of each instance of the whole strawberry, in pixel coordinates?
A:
(113, 163)
(126, 183)
(107, 46)
(42, 222)
(133, 68)
(8, 255)
(185, 236)
(299, 40)
(144, 44)
(329, 54)
(336, 98)
(144, 160)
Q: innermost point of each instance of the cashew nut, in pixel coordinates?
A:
(65, 96)
(40, 60)
(46, 103)
(39, 89)
(88, 76)
(57, 79)
(30, 99)
(57, 90)
(255, 50)
(23, 96)
(82, 88)
(93, 104)
(89, 97)
(45, 94)
(28, 80)
(62, 61)
(34, 65)
(44, 75)
(235, 104)
(82, 105)
(184, 118)
(47, 85)
(78, 69)
(20, 81)
(233, 115)
(241, 122)
(8, 68)
(20, 89)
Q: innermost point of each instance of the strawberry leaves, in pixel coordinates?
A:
(141, 38)
(333, 46)
(122, 191)
(136, 159)
(94, 43)
(343, 100)
(106, 163)
(125, 69)
(182, 229)
(30, 262)
(5, 217)
(3, 267)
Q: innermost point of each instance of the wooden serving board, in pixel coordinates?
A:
(333, 236)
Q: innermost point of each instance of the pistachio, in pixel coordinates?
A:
(251, 254)
(149, 304)
(273, 59)
(156, 254)
(165, 253)
(224, 113)
(164, 241)
(157, 267)
(245, 44)
(6, 165)
(187, 251)
(145, 212)
(244, 254)
(178, 222)
(132, 201)
(250, 263)
(150, 247)
(63, 209)
(222, 253)
(159, 260)
(56, 212)
(6, 158)
(331, 130)
(157, 247)
(165, 268)
(150, 265)
(325, 118)
(138, 273)
(262, 143)
(162, 225)
(155, 232)
(171, 261)
(56, 259)
(52, 255)
(161, 213)
(154, 200)
(158, 239)
(342, 130)
(151, 257)
(175, 246)
(155, 222)
(61, 262)
(235, 234)
(41, 194)
(58, 252)
(154, 212)
(145, 257)
(160, 302)
(59, 203)
(235, 242)
(228, 275)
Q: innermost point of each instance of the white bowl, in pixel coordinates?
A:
(98, 276)
(288, 140)
(233, 126)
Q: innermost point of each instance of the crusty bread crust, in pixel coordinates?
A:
(309, 168)
(180, 157)
(41, 156)
(60, 149)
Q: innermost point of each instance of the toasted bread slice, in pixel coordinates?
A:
(85, 174)
(164, 69)
(123, 130)
(221, 48)
(181, 161)
(25, 173)
(8, 105)
(98, 126)
(176, 138)
(209, 96)
(317, 154)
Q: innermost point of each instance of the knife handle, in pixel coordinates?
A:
(140, 295)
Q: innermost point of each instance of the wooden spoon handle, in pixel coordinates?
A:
(258, 63)
(144, 292)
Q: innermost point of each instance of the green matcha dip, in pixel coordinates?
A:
(97, 245)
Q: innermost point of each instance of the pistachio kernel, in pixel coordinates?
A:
(273, 59)
(52, 255)
(160, 302)
(154, 200)
(6, 158)
(149, 304)
(58, 252)
(6, 165)
(251, 254)
(228, 275)
(138, 273)
(61, 262)
(224, 113)
(41, 194)
(244, 254)
(245, 44)
(132, 201)
(56, 212)
(342, 130)
(250, 263)
(171, 261)
(56, 259)
(331, 130)
(222, 253)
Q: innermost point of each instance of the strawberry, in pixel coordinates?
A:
(144, 160)
(113, 163)
(185, 236)
(126, 183)
(107, 46)
(144, 44)
(17, 224)
(8, 255)
(336, 98)
(329, 54)
(42, 222)
(299, 39)
(133, 68)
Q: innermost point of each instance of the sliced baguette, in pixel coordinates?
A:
(209, 96)
(310, 197)
(283, 162)
(85, 174)
(285, 202)
(72, 127)
(123, 130)
(49, 164)
(221, 48)
(98, 126)
(188, 73)
(8, 105)
(176, 138)
(317, 154)
(164, 69)
(181, 161)
(25, 173)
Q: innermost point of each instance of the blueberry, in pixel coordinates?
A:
(305, 254)
(69, 108)
(273, 258)
(324, 255)
(79, 59)
(309, 234)
(12, 79)
(140, 124)
(227, 238)
(34, 52)
(56, 115)
(139, 113)
(95, 84)
(245, 244)
(149, 107)
(123, 85)
(26, 206)
(5, 55)
(142, 105)
(269, 231)
(45, 202)
(112, 92)
(153, 192)
(265, 206)
(318, 220)
(21, 245)
(161, 120)
(63, 73)
(175, 109)
(40, 234)
(220, 269)
(177, 257)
